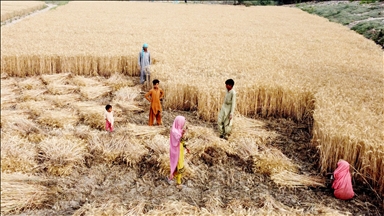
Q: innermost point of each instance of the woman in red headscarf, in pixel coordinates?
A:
(342, 183)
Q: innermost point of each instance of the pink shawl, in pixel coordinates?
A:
(175, 136)
(343, 182)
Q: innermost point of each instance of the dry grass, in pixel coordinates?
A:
(290, 179)
(116, 149)
(20, 192)
(91, 114)
(93, 92)
(57, 118)
(11, 9)
(61, 154)
(271, 161)
(17, 154)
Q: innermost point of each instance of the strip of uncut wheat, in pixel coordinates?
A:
(10, 9)
(285, 63)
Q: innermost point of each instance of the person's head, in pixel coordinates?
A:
(229, 83)
(179, 123)
(342, 164)
(108, 108)
(155, 83)
(145, 47)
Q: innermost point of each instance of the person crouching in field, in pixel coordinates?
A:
(176, 150)
(144, 63)
(154, 96)
(227, 110)
(342, 183)
(108, 116)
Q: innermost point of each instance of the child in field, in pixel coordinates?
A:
(154, 96)
(176, 150)
(108, 116)
(227, 110)
(342, 183)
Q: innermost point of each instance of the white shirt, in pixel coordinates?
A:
(109, 116)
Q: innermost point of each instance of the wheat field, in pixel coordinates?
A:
(285, 63)
(11, 9)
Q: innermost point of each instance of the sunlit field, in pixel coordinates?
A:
(60, 69)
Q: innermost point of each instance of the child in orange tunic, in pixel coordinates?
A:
(154, 96)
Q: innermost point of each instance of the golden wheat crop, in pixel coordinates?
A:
(11, 9)
(285, 63)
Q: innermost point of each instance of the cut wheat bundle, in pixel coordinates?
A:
(61, 154)
(60, 89)
(93, 92)
(60, 78)
(91, 113)
(247, 127)
(143, 131)
(126, 95)
(118, 81)
(25, 126)
(8, 116)
(110, 208)
(35, 108)
(57, 118)
(17, 154)
(9, 97)
(62, 100)
(271, 160)
(85, 81)
(272, 206)
(116, 149)
(289, 179)
(174, 208)
(29, 83)
(33, 94)
(20, 192)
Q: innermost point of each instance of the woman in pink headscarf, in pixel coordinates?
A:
(176, 149)
(342, 183)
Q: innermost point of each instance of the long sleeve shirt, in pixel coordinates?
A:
(229, 105)
(144, 59)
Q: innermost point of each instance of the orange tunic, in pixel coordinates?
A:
(154, 96)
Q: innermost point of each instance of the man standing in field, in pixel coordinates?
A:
(144, 63)
(227, 110)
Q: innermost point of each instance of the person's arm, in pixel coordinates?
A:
(147, 96)
(161, 94)
(139, 61)
(233, 107)
(149, 58)
(112, 119)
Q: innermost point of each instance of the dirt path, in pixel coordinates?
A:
(16, 20)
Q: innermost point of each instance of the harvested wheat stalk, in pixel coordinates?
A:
(20, 192)
(289, 179)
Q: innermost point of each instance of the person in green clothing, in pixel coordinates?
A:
(227, 110)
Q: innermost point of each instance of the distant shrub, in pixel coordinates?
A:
(247, 3)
